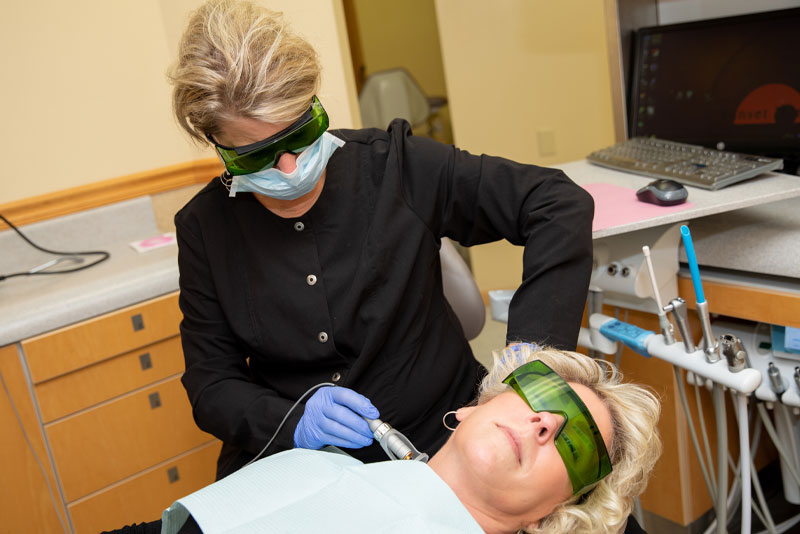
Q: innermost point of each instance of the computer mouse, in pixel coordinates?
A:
(663, 192)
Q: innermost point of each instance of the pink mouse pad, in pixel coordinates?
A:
(615, 206)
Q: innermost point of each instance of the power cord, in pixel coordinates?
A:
(64, 256)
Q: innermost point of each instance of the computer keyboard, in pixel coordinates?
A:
(689, 164)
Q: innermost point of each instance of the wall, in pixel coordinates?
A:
(517, 72)
(86, 98)
(404, 34)
(390, 34)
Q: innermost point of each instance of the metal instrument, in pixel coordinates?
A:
(393, 442)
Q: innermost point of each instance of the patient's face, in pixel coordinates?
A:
(510, 452)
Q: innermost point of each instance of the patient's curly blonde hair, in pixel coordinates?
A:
(240, 60)
(635, 446)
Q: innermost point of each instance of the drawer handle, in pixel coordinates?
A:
(172, 475)
(145, 361)
(138, 322)
(155, 400)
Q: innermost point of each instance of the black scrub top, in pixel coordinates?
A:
(351, 291)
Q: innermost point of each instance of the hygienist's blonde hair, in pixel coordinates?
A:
(635, 446)
(240, 60)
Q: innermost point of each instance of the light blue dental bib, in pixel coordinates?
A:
(302, 491)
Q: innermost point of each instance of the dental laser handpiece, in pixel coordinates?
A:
(678, 308)
(393, 442)
(711, 350)
(663, 321)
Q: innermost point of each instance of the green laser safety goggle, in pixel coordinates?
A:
(263, 154)
(578, 440)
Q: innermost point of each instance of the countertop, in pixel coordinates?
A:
(767, 188)
(32, 305)
(749, 227)
(761, 239)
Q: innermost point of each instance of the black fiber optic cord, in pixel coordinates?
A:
(105, 255)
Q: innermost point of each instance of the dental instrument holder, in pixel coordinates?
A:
(394, 444)
(666, 328)
(711, 350)
(744, 382)
(609, 331)
(733, 373)
(731, 347)
(677, 307)
(663, 322)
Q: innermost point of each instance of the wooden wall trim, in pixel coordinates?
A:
(751, 303)
(98, 194)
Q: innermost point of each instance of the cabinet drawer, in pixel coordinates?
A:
(110, 378)
(145, 496)
(76, 346)
(120, 438)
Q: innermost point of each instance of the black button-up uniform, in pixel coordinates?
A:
(351, 292)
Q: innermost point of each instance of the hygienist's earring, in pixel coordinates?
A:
(444, 421)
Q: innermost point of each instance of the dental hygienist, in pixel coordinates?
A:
(315, 256)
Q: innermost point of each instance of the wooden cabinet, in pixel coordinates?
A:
(142, 497)
(73, 347)
(120, 438)
(113, 421)
(29, 500)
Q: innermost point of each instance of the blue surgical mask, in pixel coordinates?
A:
(276, 184)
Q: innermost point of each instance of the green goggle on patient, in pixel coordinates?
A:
(265, 153)
(578, 440)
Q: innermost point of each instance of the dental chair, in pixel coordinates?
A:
(394, 93)
(461, 291)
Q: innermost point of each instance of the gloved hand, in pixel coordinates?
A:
(332, 417)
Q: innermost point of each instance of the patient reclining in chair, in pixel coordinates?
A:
(554, 443)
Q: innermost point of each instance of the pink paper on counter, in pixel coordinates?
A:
(615, 205)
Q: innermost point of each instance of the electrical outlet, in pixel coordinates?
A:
(547, 142)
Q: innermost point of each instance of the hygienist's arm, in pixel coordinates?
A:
(480, 199)
(225, 402)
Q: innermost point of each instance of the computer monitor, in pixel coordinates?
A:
(731, 83)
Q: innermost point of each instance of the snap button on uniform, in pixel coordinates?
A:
(323, 337)
(336, 377)
(311, 279)
(298, 226)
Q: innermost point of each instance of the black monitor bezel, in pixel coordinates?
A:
(633, 85)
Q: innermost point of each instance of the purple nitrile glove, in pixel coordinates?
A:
(333, 417)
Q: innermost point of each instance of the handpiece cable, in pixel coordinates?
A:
(285, 417)
(395, 444)
(65, 256)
